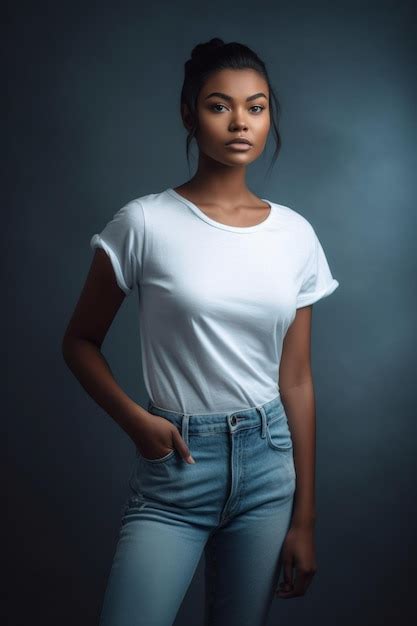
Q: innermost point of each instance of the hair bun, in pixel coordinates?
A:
(203, 49)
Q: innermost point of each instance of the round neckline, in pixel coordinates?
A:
(209, 220)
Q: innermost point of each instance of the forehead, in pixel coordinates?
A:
(236, 83)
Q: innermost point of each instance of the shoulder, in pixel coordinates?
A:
(147, 204)
(294, 220)
(151, 200)
(133, 211)
(129, 212)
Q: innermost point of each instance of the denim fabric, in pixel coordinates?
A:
(233, 505)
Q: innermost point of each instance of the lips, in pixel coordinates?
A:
(239, 140)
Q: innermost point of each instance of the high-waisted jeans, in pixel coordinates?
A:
(234, 504)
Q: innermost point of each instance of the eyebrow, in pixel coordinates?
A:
(219, 94)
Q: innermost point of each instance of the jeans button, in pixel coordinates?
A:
(233, 420)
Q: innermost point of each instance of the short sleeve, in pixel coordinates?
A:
(317, 280)
(122, 239)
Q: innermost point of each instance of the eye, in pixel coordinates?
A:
(216, 105)
(256, 106)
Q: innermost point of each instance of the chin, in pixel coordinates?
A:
(241, 158)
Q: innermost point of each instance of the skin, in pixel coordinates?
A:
(219, 189)
(218, 186)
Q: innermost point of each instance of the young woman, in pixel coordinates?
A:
(225, 450)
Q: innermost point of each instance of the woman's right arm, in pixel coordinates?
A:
(98, 304)
(100, 300)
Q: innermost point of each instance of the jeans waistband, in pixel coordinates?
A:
(227, 421)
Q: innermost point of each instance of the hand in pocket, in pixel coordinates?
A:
(156, 437)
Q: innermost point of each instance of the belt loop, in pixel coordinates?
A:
(184, 427)
(263, 421)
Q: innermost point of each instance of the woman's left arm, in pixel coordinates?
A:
(297, 394)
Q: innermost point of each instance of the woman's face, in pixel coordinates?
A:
(232, 104)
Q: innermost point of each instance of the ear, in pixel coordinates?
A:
(187, 118)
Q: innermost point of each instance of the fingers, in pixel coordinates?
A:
(303, 579)
(286, 586)
(182, 447)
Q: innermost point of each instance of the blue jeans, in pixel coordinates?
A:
(234, 504)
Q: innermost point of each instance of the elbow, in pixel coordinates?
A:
(73, 343)
(302, 381)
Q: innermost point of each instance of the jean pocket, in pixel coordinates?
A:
(162, 459)
(278, 434)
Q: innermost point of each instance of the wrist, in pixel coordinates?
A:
(131, 418)
(303, 522)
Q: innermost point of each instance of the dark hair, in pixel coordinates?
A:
(215, 55)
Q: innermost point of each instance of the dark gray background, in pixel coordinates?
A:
(93, 121)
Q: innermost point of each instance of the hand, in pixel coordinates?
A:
(157, 437)
(298, 551)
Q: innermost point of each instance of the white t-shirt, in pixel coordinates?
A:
(215, 301)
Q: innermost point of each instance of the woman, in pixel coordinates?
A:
(225, 452)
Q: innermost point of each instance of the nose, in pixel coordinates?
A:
(238, 123)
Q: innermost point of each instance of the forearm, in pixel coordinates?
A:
(89, 366)
(299, 403)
